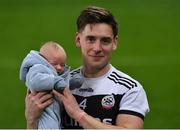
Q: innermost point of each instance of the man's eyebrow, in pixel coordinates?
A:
(90, 36)
(106, 37)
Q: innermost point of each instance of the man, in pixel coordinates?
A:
(108, 98)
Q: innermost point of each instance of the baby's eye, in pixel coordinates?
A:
(62, 65)
(54, 64)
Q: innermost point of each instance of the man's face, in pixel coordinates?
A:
(96, 42)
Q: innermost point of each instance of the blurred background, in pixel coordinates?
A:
(148, 49)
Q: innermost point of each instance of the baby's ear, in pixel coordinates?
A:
(78, 40)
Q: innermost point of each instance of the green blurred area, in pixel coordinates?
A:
(148, 49)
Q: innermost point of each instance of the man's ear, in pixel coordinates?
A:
(115, 43)
(78, 40)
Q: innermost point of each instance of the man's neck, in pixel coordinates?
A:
(95, 72)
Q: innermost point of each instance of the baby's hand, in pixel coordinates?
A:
(60, 85)
(76, 82)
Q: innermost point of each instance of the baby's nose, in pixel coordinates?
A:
(59, 68)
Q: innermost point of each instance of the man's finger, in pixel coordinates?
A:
(47, 103)
(28, 92)
(41, 94)
(45, 98)
(67, 91)
(58, 94)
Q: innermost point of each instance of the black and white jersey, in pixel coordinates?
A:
(107, 96)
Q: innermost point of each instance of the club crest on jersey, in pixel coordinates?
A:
(108, 102)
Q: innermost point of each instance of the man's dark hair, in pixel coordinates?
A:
(93, 15)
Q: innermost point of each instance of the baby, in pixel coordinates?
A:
(44, 71)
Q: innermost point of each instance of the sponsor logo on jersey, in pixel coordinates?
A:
(86, 90)
(108, 102)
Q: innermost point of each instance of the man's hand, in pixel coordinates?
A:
(70, 104)
(35, 104)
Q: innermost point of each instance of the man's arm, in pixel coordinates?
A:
(123, 121)
(86, 121)
(35, 104)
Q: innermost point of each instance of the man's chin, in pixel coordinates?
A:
(96, 65)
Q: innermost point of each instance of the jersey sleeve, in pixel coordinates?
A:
(134, 102)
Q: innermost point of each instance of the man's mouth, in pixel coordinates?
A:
(96, 55)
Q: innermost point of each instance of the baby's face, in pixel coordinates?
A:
(58, 61)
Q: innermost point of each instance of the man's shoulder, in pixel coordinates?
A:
(120, 77)
(120, 73)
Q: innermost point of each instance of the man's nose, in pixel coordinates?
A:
(97, 46)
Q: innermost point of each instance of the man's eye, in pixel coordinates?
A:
(106, 41)
(91, 40)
